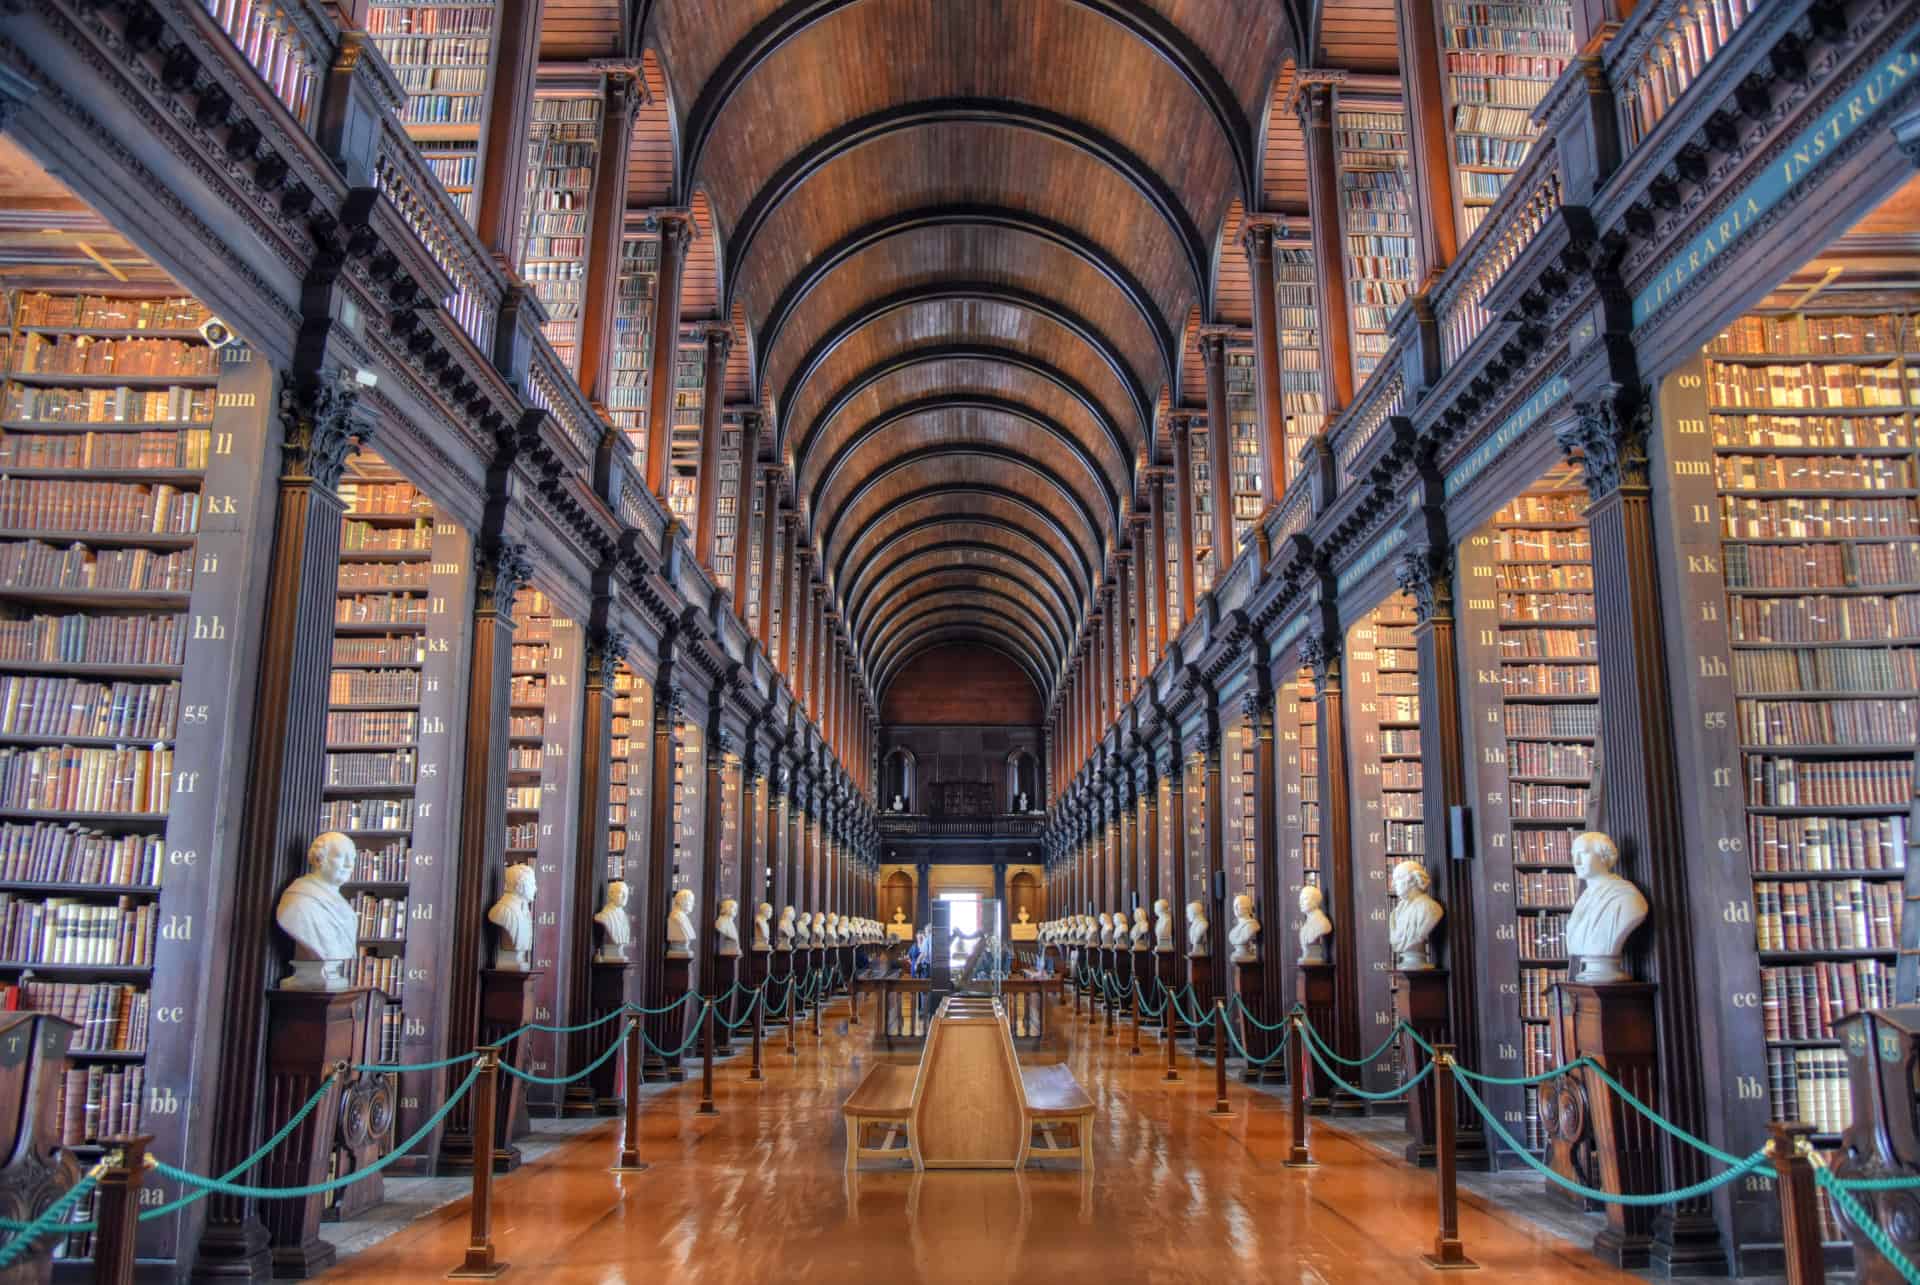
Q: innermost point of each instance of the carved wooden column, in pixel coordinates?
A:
(792, 574)
(1168, 961)
(1321, 653)
(284, 774)
(797, 841)
(1269, 1000)
(1426, 574)
(1642, 778)
(1181, 426)
(1213, 745)
(501, 567)
(1436, 241)
(676, 233)
(1313, 101)
(1148, 783)
(743, 532)
(713, 974)
(1213, 360)
(604, 650)
(606, 230)
(500, 178)
(779, 856)
(1256, 238)
(651, 942)
(718, 338)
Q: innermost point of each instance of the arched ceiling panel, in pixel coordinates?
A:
(913, 588)
(941, 603)
(989, 541)
(939, 317)
(650, 159)
(937, 552)
(868, 404)
(958, 502)
(1008, 627)
(982, 633)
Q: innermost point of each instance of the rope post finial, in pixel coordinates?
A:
(481, 1262)
(118, 1209)
(1448, 1254)
(1790, 1147)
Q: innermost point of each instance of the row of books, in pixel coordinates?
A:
(1803, 432)
(1536, 992)
(367, 498)
(48, 852)
(1543, 575)
(1815, 844)
(428, 20)
(1485, 150)
(524, 758)
(1828, 722)
(1408, 775)
(445, 109)
(106, 312)
(1827, 914)
(1519, 545)
(453, 170)
(449, 80)
(148, 448)
(381, 918)
(97, 1102)
(389, 768)
(1399, 741)
(1543, 847)
(65, 930)
(383, 973)
(1548, 680)
(1549, 606)
(389, 863)
(179, 405)
(1822, 565)
(378, 651)
(1828, 669)
(70, 778)
(374, 727)
(36, 504)
(1803, 1001)
(92, 355)
(112, 1016)
(1823, 618)
(1549, 758)
(1519, 643)
(383, 575)
(1547, 802)
(92, 640)
(1810, 386)
(404, 53)
(527, 691)
(1835, 335)
(33, 564)
(1816, 518)
(523, 798)
(1552, 720)
(52, 706)
(373, 687)
(380, 609)
(1406, 838)
(1814, 472)
(1773, 781)
(1811, 1086)
(377, 815)
(364, 537)
(1496, 91)
(1542, 937)
(1544, 889)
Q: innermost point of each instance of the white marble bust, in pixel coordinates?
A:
(1142, 930)
(1025, 918)
(680, 930)
(1244, 936)
(783, 932)
(616, 930)
(1316, 927)
(819, 928)
(1415, 915)
(726, 927)
(512, 918)
(324, 928)
(1106, 928)
(1606, 913)
(1162, 925)
(899, 804)
(1197, 927)
(1090, 930)
(762, 926)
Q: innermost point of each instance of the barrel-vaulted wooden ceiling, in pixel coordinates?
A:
(967, 243)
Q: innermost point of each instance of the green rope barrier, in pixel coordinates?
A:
(381, 1068)
(1515, 1081)
(1233, 1037)
(226, 1188)
(1675, 1130)
(1147, 1010)
(1386, 1044)
(1405, 1087)
(49, 1219)
(664, 1008)
(678, 1053)
(1842, 1193)
(1878, 1184)
(1739, 1170)
(581, 1074)
(570, 1030)
(744, 1017)
(1256, 1022)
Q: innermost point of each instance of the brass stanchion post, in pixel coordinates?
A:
(1220, 1106)
(1135, 1050)
(481, 1262)
(1447, 1255)
(1298, 1157)
(1166, 1038)
(1792, 1155)
(759, 1015)
(118, 1208)
(706, 1063)
(630, 1161)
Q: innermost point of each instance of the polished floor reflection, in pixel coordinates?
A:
(758, 1193)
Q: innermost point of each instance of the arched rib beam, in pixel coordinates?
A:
(988, 638)
(962, 580)
(863, 576)
(1045, 520)
(970, 605)
(982, 619)
(939, 557)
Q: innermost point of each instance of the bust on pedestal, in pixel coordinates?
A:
(1139, 936)
(680, 926)
(323, 926)
(512, 918)
(1315, 928)
(1162, 925)
(1606, 913)
(763, 927)
(1415, 915)
(726, 928)
(1245, 933)
(616, 930)
(783, 932)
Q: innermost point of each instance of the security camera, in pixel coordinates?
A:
(216, 332)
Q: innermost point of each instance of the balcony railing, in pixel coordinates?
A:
(1383, 396)
(478, 287)
(1660, 52)
(1460, 310)
(919, 825)
(289, 43)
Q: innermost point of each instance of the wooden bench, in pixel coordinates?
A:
(883, 1100)
(1054, 1098)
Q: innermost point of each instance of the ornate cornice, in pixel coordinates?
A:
(318, 428)
(1609, 436)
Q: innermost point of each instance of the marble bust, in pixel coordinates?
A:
(1316, 927)
(512, 917)
(783, 933)
(834, 929)
(1106, 928)
(1141, 929)
(1025, 918)
(899, 805)
(1605, 914)
(1244, 936)
(324, 928)
(615, 929)
(1196, 928)
(1162, 925)
(819, 928)
(680, 926)
(762, 926)
(1415, 915)
(726, 927)
(1119, 930)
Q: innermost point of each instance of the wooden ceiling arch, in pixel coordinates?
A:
(969, 501)
(935, 603)
(1007, 538)
(982, 619)
(941, 556)
(883, 676)
(916, 588)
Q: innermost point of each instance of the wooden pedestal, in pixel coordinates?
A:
(1249, 977)
(506, 1005)
(1420, 1000)
(367, 1113)
(36, 1172)
(1613, 1023)
(602, 1093)
(726, 970)
(667, 1030)
(307, 1033)
(1200, 977)
(1167, 971)
(1883, 1141)
(1314, 989)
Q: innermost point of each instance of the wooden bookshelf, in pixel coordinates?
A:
(633, 339)
(1528, 643)
(1297, 832)
(1500, 61)
(442, 55)
(689, 813)
(546, 676)
(1797, 508)
(727, 528)
(1376, 221)
(1302, 393)
(689, 398)
(1200, 463)
(1244, 450)
(1383, 733)
(563, 152)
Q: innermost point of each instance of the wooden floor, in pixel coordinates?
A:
(759, 1194)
